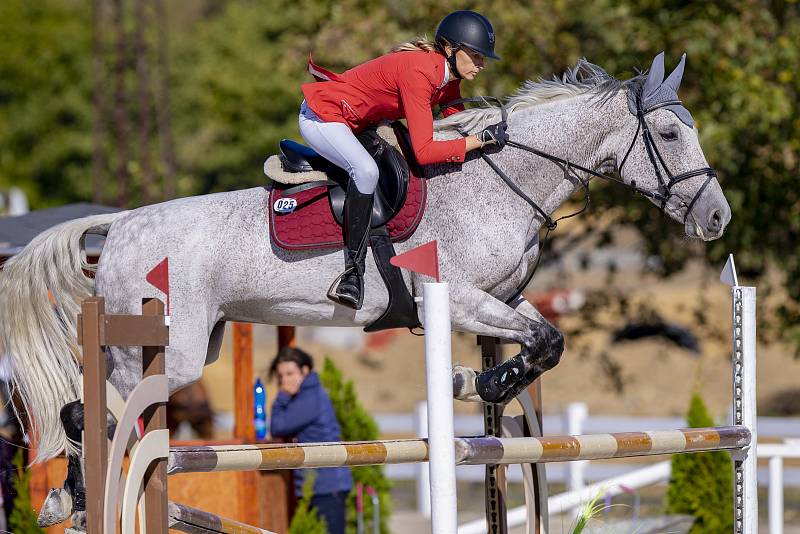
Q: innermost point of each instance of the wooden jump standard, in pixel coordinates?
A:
(97, 330)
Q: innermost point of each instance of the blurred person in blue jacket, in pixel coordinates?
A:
(304, 411)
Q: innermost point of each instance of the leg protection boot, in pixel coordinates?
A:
(503, 382)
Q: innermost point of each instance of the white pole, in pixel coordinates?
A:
(575, 416)
(423, 470)
(743, 363)
(439, 371)
(744, 395)
(776, 495)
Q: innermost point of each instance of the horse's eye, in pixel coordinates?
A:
(668, 136)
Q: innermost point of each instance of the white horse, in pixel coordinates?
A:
(224, 268)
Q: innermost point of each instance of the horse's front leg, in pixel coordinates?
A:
(542, 344)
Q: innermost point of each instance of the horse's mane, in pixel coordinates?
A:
(583, 78)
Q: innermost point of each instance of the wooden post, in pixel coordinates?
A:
(286, 337)
(155, 418)
(243, 427)
(243, 382)
(95, 433)
(539, 522)
(495, 482)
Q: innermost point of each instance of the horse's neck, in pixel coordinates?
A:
(570, 129)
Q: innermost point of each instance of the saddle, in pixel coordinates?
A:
(307, 199)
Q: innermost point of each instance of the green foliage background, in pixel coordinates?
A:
(236, 67)
(23, 518)
(305, 519)
(701, 484)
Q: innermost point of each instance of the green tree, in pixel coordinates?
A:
(305, 519)
(45, 124)
(23, 517)
(357, 425)
(701, 484)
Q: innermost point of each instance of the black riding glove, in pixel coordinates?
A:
(494, 134)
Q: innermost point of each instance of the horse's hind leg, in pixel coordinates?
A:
(71, 498)
(542, 345)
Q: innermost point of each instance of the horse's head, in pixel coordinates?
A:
(658, 153)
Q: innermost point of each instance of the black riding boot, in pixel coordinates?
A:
(357, 215)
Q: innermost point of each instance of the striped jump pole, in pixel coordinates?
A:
(467, 451)
(184, 518)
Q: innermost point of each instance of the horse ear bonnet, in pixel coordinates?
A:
(657, 90)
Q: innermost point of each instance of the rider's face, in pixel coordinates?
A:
(469, 63)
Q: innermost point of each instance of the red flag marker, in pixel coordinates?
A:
(159, 278)
(424, 260)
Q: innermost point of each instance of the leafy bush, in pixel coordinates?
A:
(701, 484)
(305, 519)
(23, 517)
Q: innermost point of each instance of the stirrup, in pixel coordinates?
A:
(338, 300)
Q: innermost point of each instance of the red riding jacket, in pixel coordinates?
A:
(396, 85)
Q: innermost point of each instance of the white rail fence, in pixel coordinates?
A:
(613, 478)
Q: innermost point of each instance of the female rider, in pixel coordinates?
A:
(405, 83)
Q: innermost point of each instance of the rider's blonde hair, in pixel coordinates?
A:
(420, 43)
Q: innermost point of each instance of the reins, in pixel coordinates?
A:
(664, 189)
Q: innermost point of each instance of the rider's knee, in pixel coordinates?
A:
(365, 175)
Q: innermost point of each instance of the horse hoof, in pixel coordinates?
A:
(464, 388)
(56, 509)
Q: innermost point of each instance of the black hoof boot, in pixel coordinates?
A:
(503, 382)
(349, 286)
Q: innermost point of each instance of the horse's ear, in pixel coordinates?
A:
(674, 79)
(654, 76)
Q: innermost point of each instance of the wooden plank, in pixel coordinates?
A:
(95, 433)
(133, 330)
(155, 417)
(243, 382)
(243, 428)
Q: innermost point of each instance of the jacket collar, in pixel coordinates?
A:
(311, 381)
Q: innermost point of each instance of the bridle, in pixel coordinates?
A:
(664, 185)
(662, 195)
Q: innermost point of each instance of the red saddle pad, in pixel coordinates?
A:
(312, 225)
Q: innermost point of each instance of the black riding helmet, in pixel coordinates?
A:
(469, 29)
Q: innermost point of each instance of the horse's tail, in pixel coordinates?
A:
(40, 293)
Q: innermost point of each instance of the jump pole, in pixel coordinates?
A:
(441, 436)
(439, 377)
